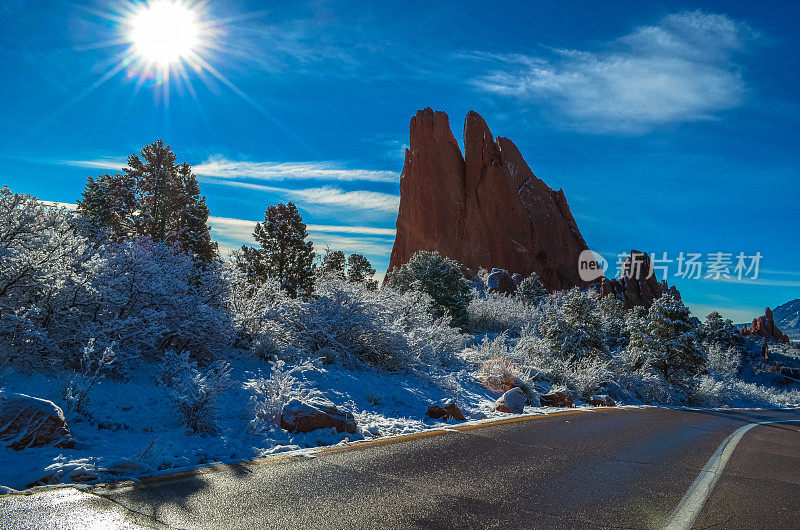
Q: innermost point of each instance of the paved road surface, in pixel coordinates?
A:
(619, 468)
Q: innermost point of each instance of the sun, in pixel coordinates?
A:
(164, 32)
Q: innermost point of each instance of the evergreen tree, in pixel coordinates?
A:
(441, 279)
(333, 262)
(575, 330)
(531, 289)
(284, 253)
(152, 197)
(360, 270)
(717, 330)
(670, 338)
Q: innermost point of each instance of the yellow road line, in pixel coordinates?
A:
(355, 445)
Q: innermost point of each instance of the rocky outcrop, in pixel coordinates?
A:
(601, 401)
(764, 326)
(484, 209)
(445, 412)
(637, 285)
(27, 421)
(501, 282)
(512, 402)
(300, 416)
(557, 399)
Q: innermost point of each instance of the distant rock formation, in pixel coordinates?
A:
(637, 286)
(485, 209)
(764, 326)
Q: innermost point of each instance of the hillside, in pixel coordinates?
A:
(787, 318)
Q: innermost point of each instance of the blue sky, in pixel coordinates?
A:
(671, 126)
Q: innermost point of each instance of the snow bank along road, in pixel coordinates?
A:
(635, 468)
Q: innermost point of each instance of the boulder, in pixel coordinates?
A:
(27, 421)
(557, 399)
(446, 412)
(512, 402)
(302, 416)
(484, 208)
(601, 401)
(501, 282)
(764, 326)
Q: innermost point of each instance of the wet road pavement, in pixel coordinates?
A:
(614, 468)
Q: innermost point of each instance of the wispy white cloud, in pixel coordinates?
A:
(103, 162)
(241, 169)
(324, 196)
(243, 228)
(221, 167)
(368, 240)
(681, 69)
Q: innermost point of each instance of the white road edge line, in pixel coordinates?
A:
(684, 516)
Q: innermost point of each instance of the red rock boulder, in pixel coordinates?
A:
(557, 399)
(301, 416)
(27, 421)
(601, 401)
(446, 412)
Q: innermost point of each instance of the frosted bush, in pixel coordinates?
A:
(270, 394)
(95, 364)
(195, 392)
(723, 362)
(496, 313)
(58, 289)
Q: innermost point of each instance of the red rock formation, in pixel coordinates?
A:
(636, 286)
(486, 209)
(765, 327)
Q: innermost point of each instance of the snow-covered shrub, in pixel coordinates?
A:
(58, 289)
(95, 365)
(195, 393)
(42, 280)
(496, 313)
(151, 297)
(271, 393)
(260, 313)
(531, 289)
(441, 279)
(723, 362)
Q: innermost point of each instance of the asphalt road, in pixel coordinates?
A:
(616, 468)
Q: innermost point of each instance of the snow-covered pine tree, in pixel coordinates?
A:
(531, 290)
(333, 262)
(670, 338)
(717, 330)
(441, 279)
(284, 253)
(152, 197)
(359, 270)
(575, 330)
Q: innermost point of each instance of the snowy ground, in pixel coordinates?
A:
(132, 429)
